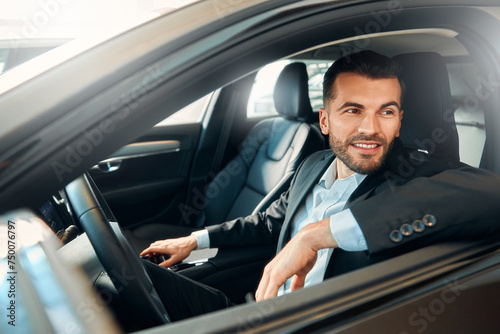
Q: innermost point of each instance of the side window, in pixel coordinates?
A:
(469, 115)
(261, 104)
(192, 113)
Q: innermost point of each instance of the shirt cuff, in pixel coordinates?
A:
(202, 239)
(346, 232)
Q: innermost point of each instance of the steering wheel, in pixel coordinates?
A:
(115, 252)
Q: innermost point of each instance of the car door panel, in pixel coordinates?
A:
(146, 180)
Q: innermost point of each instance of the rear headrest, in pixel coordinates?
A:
(291, 93)
(428, 121)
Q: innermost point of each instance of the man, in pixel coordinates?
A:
(343, 210)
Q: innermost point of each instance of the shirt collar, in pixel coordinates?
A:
(328, 178)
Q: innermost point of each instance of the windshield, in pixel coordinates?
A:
(29, 28)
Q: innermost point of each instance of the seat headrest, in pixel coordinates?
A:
(428, 121)
(291, 92)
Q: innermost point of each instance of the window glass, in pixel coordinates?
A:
(261, 103)
(192, 113)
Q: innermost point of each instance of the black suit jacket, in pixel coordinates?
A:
(463, 200)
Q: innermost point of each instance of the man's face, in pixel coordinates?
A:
(362, 121)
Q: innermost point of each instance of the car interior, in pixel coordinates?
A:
(234, 151)
(149, 189)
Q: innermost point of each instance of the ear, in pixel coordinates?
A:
(323, 121)
(400, 120)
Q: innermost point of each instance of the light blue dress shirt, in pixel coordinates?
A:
(327, 199)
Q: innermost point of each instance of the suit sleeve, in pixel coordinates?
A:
(454, 204)
(260, 228)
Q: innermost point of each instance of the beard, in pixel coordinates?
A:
(366, 163)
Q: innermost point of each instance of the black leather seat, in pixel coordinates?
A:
(263, 169)
(428, 121)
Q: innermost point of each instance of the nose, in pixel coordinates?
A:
(369, 124)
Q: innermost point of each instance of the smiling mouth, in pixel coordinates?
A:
(366, 145)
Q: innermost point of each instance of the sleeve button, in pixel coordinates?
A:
(418, 225)
(429, 220)
(406, 230)
(396, 236)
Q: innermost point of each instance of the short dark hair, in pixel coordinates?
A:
(366, 63)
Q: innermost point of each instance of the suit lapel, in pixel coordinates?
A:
(365, 189)
(306, 182)
(302, 188)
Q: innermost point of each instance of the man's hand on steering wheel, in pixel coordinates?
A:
(178, 249)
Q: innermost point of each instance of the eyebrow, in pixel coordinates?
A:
(392, 103)
(351, 104)
(360, 106)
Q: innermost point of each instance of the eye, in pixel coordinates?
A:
(352, 111)
(388, 112)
